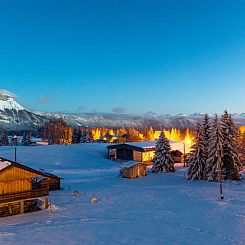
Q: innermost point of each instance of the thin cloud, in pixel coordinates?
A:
(81, 108)
(118, 110)
(43, 100)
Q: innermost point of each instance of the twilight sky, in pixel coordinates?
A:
(132, 56)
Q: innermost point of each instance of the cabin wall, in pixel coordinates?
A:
(13, 186)
(135, 171)
(137, 156)
(14, 173)
(52, 184)
(15, 180)
(148, 156)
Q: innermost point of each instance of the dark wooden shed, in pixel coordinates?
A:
(138, 151)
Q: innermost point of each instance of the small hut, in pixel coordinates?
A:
(134, 169)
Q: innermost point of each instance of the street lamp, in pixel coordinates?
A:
(184, 153)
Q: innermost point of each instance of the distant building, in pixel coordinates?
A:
(21, 187)
(143, 151)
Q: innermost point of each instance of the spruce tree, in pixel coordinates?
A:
(76, 135)
(206, 134)
(162, 161)
(4, 138)
(214, 163)
(231, 162)
(197, 160)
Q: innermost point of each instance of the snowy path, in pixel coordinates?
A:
(157, 209)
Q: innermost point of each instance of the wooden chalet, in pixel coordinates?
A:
(139, 151)
(134, 170)
(21, 187)
(143, 151)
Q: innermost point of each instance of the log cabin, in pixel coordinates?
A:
(20, 190)
(133, 170)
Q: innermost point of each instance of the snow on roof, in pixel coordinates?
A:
(151, 144)
(129, 164)
(4, 165)
(145, 144)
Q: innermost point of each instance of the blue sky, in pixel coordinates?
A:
(124, 56)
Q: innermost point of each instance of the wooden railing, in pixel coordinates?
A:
(23, 195)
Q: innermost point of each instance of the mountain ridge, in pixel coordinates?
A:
(14, 116)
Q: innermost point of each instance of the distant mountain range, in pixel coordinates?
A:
(13, 116)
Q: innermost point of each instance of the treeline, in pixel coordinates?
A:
(218, 151)
(58, 132)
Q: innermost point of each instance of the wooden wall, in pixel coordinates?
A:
(15, 186)
(138, 156)
(148, 156)
(135, 171)
(15, 180)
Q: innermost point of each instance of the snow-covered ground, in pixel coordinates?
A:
(157, 209)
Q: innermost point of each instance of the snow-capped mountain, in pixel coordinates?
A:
(13, 116)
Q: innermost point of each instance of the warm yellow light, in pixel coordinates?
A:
(188, 142)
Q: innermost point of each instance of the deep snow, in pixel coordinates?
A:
(156, 209)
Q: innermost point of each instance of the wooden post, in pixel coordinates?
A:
(15, 155)
(22, 207)
(46, 202)
(184, 154)
(220, 180)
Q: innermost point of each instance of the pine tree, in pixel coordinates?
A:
(231, 163)
(197, 160)
(206, 133)
(162, 161)
(76, 135)
(214, 162)
(4, 138)
(26, 139)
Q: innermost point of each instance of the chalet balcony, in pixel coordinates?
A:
(23, 195)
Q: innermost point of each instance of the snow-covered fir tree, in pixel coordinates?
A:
(231, 163)
(84, 136)
(76, 135)
(162, 161)
(4, 138)
(197, 160)
(206, 134)
(26, 140)
(214, 163)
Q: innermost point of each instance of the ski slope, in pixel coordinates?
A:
(156, 209)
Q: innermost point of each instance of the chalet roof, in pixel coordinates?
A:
(138, 146)
(150, 145)
(5, 163)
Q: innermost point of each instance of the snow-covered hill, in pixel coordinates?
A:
(156, 209)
